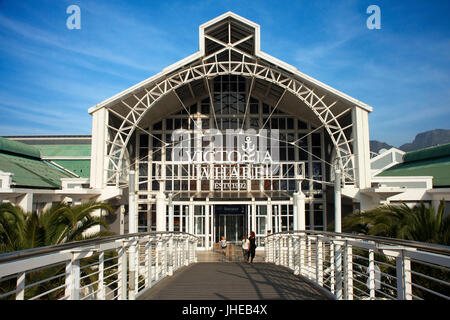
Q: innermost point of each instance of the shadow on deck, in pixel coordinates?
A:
(235, 281)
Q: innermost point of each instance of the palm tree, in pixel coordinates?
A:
(420, 223)
(61, 223)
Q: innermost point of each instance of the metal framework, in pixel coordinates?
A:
(99, 269)
(356, 267)
(349, 266)
(237, 62)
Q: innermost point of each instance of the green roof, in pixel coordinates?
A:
(434, 161)
(18, 148)
(428, 153)
(65, 150)
(79, 167)
(31, 172)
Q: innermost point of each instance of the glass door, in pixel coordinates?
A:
(231, 226)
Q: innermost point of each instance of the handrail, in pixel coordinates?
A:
(28, 253)
(429, 247)
(354, 266)
(114, 267)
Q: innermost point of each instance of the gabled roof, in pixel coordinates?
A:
(243, 24)
(19, 148)
(28, 169)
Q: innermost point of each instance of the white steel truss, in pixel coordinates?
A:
(228, 60)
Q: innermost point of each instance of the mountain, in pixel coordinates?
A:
(422, 140)
(376, 146)
(427, 139)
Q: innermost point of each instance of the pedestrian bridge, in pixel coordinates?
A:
(295, 265)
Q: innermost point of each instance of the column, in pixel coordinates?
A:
(26, 202)
(207, 231)
(160, 212)
(170, 204)
(299, 211)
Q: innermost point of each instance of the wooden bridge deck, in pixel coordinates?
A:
(235, 281)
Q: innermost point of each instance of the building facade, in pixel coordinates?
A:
(231, 140)
(226, 141)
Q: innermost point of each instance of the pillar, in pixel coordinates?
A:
(299, 211)
(170, 204)
(160, 212)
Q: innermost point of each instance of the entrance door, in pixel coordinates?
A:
(230, 225)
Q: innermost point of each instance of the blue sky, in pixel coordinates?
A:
(51, 75)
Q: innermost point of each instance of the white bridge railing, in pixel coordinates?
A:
(364, 267)
(95, 269)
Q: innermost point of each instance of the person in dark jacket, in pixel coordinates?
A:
(252, 246)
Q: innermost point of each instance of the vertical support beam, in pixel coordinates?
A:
(26, 202)
(98, 145)
(157, 258)
(122, 272)
(170, 260)
(207, 224)
(20, 288)
(338, 269)
(348, 274)
(403, 273)
(337, 200)
(310, 272)
(299, 211)
(170, 206)
(72, 290)
(291, 251)
(160, 212)
(333, 267)
(296, 254)
(302, 249)
(101, 295)
(269, 216)
(372, 274)
(253, 206)
(360, 119)
(132, 228)
(319, 261)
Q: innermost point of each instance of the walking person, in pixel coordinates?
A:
(245, 248)
(252, 246)
(223, 244)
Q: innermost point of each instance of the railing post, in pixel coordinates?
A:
(132, 269)
(403, 272)
(332, 268)
(302, 249)
(348, 272)
(164, 263)
(20, 286)
(309, 259)
(157, 258)
(296, 256)
(319, 261)
(101, 275)
(148, 263)
(72, 290)
(372, 273)
(291, 251)
(122, 273)
(186, 251)
(338, 270)
(170, 260)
